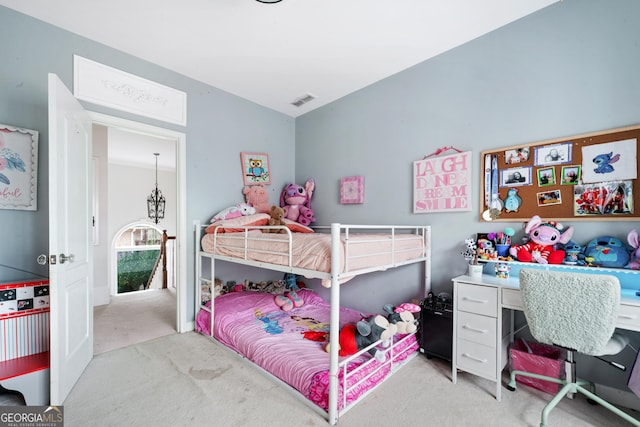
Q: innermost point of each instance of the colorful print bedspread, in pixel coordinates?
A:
(288, 344)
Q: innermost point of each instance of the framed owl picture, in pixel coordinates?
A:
(255, 168)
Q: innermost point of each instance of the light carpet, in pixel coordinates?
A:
(186, 379)
(132, 318)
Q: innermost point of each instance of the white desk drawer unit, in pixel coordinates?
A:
(481, 334)
(475, 333)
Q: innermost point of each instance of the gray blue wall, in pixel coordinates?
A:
(220, 125)
(568, 69)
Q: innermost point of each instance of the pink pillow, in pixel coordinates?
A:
(230, 225)
(296, 227)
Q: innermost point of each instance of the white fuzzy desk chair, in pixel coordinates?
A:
(577, 312)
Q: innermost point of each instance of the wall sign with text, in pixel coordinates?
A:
(442, 184)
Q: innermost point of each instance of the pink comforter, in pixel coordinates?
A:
(289, 345)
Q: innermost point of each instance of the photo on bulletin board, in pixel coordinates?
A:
(546, 176)
(603, 198)
(611, 161)
(570, 175)
(553, 154)
(515, 176)
(518, 155)
(548, 198)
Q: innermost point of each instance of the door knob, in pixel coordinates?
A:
(64, 258)
(42, 259)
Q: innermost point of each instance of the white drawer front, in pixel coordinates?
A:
(477, 299)
(476, 359)
(629, 317)
(477, 328)
(511, 298)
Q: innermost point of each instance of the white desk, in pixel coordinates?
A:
(482, 333)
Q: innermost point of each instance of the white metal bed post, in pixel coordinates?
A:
(334, 327)
(427, 261)
(196, 242)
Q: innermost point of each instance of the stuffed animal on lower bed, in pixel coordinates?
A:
(354, 338)
(543, 238)
(288, 301)
(402, 316)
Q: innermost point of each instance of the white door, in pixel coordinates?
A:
(70, 251)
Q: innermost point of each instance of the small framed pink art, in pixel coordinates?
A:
(352, 190)
(255, 168)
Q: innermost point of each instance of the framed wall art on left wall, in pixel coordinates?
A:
(18, 168)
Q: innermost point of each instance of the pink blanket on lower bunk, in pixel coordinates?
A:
(290, 344)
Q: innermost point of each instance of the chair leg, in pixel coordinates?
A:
(607, 405)
(568, 388)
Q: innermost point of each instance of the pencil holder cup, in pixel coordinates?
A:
(503, 250)
(475, 270)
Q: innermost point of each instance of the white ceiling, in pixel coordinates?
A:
(272, 54)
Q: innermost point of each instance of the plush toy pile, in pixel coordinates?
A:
(354, 338)
(550, 243)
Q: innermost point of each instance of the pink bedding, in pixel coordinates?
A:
(312, 251)
(289, 345)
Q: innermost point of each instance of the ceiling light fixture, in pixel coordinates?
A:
(268, 1)
(155, 201)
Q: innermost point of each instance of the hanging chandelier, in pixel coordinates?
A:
(155, 201)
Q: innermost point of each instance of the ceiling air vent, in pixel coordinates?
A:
(303, 100)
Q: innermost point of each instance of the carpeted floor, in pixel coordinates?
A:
(186, 379)
(129, 319)
(132, 318)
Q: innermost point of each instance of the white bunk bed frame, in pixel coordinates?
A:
(335, 276)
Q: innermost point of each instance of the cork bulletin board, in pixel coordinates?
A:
(589, 177)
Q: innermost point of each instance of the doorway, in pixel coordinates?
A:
(162, 307)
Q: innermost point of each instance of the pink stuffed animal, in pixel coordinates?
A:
(543, 238)
(296, 201)
(257, 196)
(634, 240)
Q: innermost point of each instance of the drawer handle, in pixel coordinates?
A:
(627, 316)
(482, 301)
(477, 359)
(471, 328)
